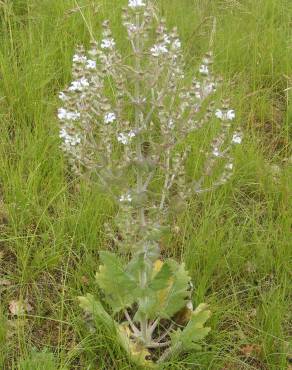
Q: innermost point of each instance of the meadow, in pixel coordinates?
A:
(236, 241)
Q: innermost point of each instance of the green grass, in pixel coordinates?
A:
(236, 241)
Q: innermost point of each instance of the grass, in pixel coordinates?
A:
(236, 241)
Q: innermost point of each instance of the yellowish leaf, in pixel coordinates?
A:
(136, 351)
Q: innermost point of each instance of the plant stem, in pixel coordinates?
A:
(159, 345)
(165, 187)
(154, 326)
(143, 274)
(169, 353)
(132, 325)
(162, 336)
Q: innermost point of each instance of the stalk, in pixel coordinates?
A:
(143, 275)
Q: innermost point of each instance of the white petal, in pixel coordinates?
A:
(216, 152)
(237, 138)
(136, 3)
(230, 115)
(219, 114)
(91, 64)
(204, 70)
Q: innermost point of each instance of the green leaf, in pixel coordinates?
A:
(156, 232)
(167, 293)
(89, 304)
(194, 331)
(140, 199)
(161, 279)
(178, 292)
(135, 266)
(118, 285)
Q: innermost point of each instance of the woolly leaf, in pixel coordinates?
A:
(118, 285)
(89, 304)
(136, 351)
(177, 292)
(161, 279)
(194, 331)
(135, 266)
(167, 293)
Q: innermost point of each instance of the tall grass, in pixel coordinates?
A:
(236, 241)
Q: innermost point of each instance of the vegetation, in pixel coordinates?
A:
(234, 240)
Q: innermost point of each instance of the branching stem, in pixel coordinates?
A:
(136, 331)
(138, 114)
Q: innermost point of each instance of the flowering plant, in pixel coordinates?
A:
(126, 121)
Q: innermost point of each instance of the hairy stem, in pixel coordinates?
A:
(159, 345)
(162, 336)
(132, 325)
(169, 353)
(166, 181)
(138, 113)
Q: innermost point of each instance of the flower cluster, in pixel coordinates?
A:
(136, 3)
(125, 138)
(127, 125)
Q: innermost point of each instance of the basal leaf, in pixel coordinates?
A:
(168, 291)
(117, 284)
(161, 278)
(194, 331)
(175, 295)
(89, 304)
(136, 351)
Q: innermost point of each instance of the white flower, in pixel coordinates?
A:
(63, 133)
(216, 152)
(230, 115)
(204, 70)
(225, 116)
(176, 44)
(171, 124)
(63, 114)
(122, 138)
(110, 117)
(74, 116)
(158, 50)
(166, 38)
(79, 85)
(79, 58)
(132, 28)
(74, 140)
(209, 88)
(126, 198)
(69, 139)
(229, 166)
(136, 3)
(219, 114)
(107, 44)
(126, 138)
(237, 138)
(91, 64)
(131, 134)
(63, 96)
(203, 91)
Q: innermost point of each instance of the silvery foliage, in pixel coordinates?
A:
(125, 120)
